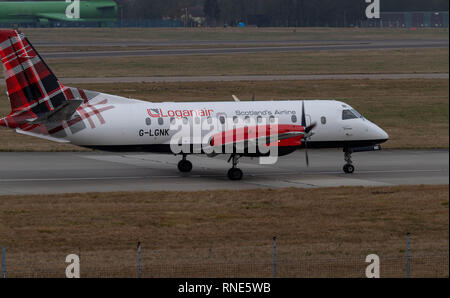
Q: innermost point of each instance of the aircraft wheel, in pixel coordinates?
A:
(235, 174)
(185, 166)
(349, 169)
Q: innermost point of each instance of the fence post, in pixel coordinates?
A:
(274, 257)
(139, 259)
(408, 256)
(3, 262)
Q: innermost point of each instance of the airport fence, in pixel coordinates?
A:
(204, 263)
(390, 267)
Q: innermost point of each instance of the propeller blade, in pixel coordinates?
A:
(306, 153)
(308, 133)
(309, 128)
(303, 114)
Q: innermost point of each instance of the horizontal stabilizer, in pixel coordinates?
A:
(61, 113)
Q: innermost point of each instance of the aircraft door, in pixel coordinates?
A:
(308, 120)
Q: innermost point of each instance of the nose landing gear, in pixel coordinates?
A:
(349, 168)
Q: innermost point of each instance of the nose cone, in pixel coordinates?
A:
(382, 135)
(376, 133)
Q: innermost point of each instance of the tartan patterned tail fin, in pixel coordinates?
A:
(33, 89)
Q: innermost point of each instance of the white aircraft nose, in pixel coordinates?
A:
(381, 134)
(377, 133)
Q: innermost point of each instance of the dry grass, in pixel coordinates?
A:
(222, 227)
(414, 112)
(318, 62)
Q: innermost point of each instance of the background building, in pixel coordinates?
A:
(411, 19)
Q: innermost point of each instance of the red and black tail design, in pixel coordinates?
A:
(33, 89)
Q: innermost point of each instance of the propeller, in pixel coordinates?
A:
(308, 132)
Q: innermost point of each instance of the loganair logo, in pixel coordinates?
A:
(158, 113)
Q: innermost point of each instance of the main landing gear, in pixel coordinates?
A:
(235, 173)
(184, 165)
(349, 168)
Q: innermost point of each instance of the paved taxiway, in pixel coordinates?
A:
(240, 78)
(42, 173)
(356, 45)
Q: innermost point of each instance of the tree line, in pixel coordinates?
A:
(274, 12)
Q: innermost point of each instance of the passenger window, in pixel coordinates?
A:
(235, 119)
(348, 114)
(323, 120)
(185, 120)
(197, 120)
(222, 119)
(148, 121)
(209, 120)
(247, 119)
(259, 119)
(271, 119)
(294, 119)
(172, 120)
(160, 121)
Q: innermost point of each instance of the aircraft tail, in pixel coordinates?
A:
(33, 90)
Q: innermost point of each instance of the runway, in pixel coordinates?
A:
(323, 46)
(178, 43)
(69, 172)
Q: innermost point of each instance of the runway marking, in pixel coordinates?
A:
(210, 175)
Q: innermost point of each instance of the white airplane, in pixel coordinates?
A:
(43, 107)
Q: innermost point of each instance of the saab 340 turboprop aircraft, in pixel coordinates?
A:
(43, 107)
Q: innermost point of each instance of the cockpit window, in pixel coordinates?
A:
(357, 114)
(350, 114)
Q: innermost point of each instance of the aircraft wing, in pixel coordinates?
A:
(57, 17)
(21, 14)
